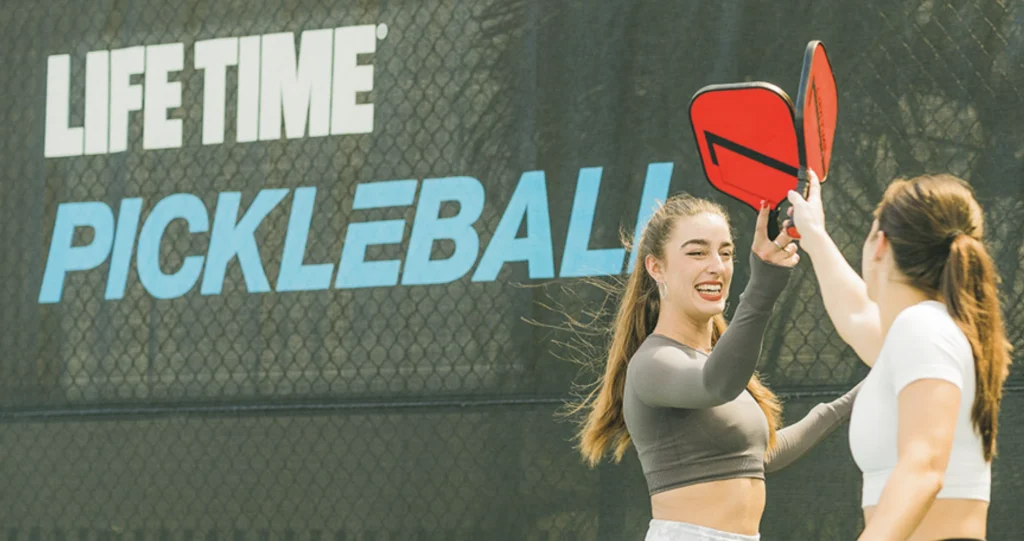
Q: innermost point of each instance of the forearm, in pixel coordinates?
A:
(796, 440)
(735, 355)
(905, 501)
(844, 295)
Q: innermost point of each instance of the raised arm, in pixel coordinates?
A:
(797, 439)
(670, 378)
(843, 292)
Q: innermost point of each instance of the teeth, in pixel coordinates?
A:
(709, 289)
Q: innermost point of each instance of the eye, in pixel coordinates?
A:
(697, 253)
(727, 254)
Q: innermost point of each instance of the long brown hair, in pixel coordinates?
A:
(604, 426)
(936, 229)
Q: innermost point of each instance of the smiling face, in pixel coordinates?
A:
(696, 266)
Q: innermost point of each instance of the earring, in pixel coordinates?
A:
(663, 289)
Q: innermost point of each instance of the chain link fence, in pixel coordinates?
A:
(413, 392)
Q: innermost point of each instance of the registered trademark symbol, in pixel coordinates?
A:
(382, 31)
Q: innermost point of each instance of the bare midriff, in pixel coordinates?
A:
(729, 505)
(948, 519)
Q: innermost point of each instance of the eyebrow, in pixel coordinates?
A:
(702, 242)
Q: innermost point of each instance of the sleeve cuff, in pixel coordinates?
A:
(944, 373)
(767, 281)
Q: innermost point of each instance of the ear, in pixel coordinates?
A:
(882, 247)
(653, 267)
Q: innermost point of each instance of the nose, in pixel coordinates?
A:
(716, 265)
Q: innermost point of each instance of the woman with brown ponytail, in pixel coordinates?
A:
(926, 318)
(682, 389)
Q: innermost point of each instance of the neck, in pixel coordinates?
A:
(685, 329)
(897, 295)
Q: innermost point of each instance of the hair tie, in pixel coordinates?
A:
(954, 235)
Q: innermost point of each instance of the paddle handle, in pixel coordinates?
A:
(802, 186)
(774, 223)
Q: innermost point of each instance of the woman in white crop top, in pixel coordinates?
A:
(926, 318)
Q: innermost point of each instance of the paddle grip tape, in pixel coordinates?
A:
(802, 187)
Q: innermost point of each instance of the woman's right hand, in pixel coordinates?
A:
(808, 214)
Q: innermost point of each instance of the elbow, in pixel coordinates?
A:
(723, 390)
(846, 329)
(726, 394)
(929, 474)
(932, 482)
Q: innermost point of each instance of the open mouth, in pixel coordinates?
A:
(710, 291)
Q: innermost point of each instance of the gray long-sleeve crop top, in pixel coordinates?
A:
(689, 414)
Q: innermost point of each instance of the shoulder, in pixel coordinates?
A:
(658, 351)
(924, 341)
(928, 323)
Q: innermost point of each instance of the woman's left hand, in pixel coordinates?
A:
(781, 252)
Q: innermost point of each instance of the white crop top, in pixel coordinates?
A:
(924, 342)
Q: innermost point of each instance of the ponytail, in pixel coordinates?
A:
(605, 426)
(969, 287)
(936, 227)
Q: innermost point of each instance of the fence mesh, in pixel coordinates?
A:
(424, 407)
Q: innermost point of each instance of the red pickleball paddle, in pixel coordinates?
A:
(755, 145)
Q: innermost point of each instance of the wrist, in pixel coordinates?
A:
(767, 281)
(813, 240)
